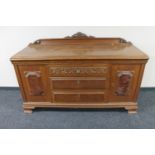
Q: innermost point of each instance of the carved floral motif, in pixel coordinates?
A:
(124, 80)
(78, 70)
(79, 35)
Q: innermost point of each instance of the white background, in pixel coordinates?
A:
(14, 39)
(77, 142)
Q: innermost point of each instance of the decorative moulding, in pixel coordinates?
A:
(79, 35)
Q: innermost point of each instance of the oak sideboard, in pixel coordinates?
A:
(80, 71)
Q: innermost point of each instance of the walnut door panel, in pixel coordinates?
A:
(80, 97)
(35, 83)
(124, 81)
(79, 83)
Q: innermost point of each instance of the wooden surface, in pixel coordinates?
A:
(80, 71)
(92, 48)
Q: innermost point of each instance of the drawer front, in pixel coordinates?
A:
(89, 97)
(92, 97)
(66, 97)
(78, 83)
(78, 71)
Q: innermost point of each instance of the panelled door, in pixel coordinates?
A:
(35, 82)
(124, 82)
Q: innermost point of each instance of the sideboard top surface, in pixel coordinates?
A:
(77, 48)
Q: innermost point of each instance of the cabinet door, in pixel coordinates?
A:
(124, 81)
(35, 83)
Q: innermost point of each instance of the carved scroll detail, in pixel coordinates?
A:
(127, 43)
(36, 73)
(124, 80)
(34, 82)
(79, 35)
(78, 70)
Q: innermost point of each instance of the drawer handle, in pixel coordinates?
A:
(78, 82)
(78, 71)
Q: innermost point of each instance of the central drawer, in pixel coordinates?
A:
(78, 83)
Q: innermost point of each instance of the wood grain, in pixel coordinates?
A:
(80, 71)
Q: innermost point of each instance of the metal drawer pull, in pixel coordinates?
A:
(78, 71)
